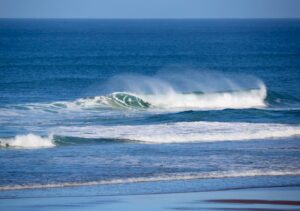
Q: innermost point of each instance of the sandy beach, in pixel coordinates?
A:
(277, 198)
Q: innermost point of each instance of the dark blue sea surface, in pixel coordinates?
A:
(148, 106)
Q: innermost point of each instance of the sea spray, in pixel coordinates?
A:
(27, 141)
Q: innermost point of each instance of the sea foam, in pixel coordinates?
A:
(159, 177)
(182, 132)
(27, 141)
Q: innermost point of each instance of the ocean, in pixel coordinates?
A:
(120, 107)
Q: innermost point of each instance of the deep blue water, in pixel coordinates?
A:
(148, 106)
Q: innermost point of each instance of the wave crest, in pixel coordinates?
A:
(253, 98)
(169, 91)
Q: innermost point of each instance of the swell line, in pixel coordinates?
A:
(156, 178)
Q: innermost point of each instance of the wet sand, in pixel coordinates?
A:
(279, 198)
(255, 201)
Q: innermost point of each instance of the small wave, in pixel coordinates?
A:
(27, 141)
(181, 132)
(282, 99)
(157, 178)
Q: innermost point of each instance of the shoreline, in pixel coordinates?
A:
(138, 194)
(274, 198)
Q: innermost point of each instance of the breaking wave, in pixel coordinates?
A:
(27, 141)
(158, 178)
(169, 91)
(241, 99)
(180, 132)
(195, 100)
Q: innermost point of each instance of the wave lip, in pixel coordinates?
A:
(157, 178)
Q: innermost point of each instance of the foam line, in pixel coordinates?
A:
(180, 132)
(157, 178)
(184, 132)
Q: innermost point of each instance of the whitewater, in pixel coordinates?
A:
(180, 132)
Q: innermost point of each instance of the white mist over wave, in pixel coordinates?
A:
(184, 132)
(27, 141)
(157, 178)
(209, 101)
(241, 99)
(172, 101)
(169, 91)
(182, 80)
(190, 90)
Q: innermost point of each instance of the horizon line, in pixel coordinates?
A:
(215, 18)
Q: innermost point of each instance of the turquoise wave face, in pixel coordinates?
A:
(125, 100)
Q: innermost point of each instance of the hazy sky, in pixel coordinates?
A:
(149, 8)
